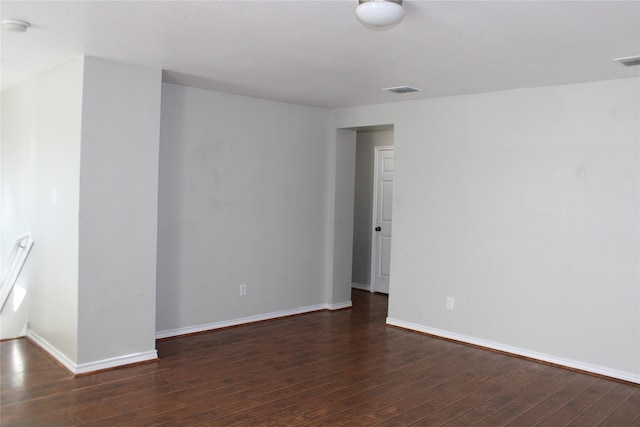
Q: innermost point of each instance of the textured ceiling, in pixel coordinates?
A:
(317, 53)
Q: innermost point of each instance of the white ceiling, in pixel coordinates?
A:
(317, 53)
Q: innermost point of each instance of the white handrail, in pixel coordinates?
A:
(14, 265)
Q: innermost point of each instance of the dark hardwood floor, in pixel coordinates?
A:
(319, 369)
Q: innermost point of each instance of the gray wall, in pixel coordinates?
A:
(342, 243)
(524, 206)
(40, 153)
(89, 130)
(366, 141)
(118, 210)
(243, 191)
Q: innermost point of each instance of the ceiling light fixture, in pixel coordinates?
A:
(401, 89)
(15, 25)
(380, 14)
(629, 61)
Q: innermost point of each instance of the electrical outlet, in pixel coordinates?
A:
(450, 302)
(243, 290)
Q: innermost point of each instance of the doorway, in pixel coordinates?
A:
(371, 217)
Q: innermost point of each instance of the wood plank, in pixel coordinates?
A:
(599, 411)
(554, 401)
(569, 412)
(629, 410)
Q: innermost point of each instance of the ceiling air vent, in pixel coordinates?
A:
(629, 61)
(401, 89)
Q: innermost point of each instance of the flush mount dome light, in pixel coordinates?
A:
(629, 61)
(15, 25)
(380, 14)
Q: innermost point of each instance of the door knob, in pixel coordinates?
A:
(378, 228)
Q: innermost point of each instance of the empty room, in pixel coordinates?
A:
(373, 212)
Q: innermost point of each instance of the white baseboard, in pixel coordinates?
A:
(249, 319)
(338, 306)
(361, 286)
(54, 352)
(114, 362)
(600, 370)
(84, 368)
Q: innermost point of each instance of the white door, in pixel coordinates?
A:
(381, 238)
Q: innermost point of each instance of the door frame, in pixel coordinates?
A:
(339, 239)
(374, 216)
